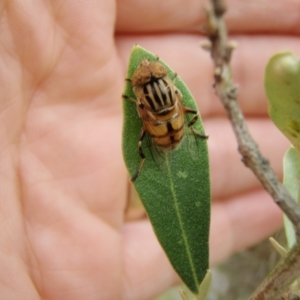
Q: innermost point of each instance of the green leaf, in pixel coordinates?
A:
(280, 249)
(291, 179)
(176, 196)
(282, 84)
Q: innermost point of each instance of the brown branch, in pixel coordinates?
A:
(221, 52)
(285, 272)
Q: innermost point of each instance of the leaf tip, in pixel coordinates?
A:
(283, 66)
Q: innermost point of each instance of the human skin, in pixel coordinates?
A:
(63, 183)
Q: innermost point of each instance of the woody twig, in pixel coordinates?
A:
(221, 51)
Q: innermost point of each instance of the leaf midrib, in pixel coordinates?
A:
(185, 239)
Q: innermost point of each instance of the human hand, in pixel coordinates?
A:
(63, 181)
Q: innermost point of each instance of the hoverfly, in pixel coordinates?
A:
(160, 107)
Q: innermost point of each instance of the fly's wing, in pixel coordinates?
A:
(158, 154)
(191, 141)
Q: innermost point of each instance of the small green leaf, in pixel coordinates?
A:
(183, 294)
(291, 179)
(282, 84)
(177, 195)
(280, 249)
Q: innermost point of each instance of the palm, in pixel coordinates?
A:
(63, 182)
(62, 118)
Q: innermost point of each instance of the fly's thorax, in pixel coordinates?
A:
(158, 94)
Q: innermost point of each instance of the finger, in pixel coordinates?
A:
(242, 16)
(195, 67)
(229, 176)
(242, 222)
(248, 64)
(147, 271)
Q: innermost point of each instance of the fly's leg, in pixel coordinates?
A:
(174, 78)
(142, 135)
(177, 92)
(192, 122)
(125, 96)
(129, 98)
(142, 155)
